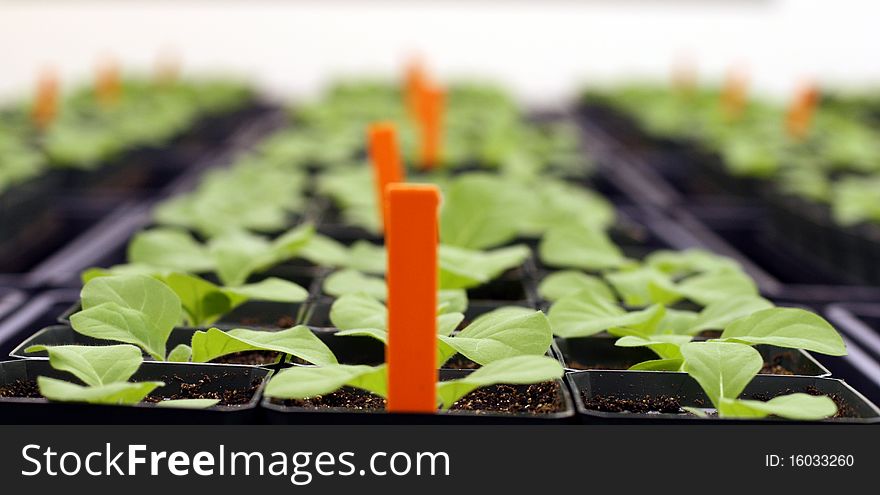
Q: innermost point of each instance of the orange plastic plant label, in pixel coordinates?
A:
(684, 76)
(46, 100)
(167, 68)
(411, 239)
(433, 100)
(387, 166)
(108, 84)
(800, 114)
(415, 80)
(733, 95)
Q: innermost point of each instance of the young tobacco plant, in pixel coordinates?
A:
(204, 302)
(745, 318)
(140, 310)
(782, 327)
(234, 255)
(305, 382)
(505, 332)
(664, 277)
(724, 369)
(104, 372)
(459, 269)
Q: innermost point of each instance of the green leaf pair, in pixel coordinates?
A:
(782, 327)
(204, 302)
(140, 310)
(105, 371)
(301, 383)
(233, 255)
(724, 369)
(499, 334)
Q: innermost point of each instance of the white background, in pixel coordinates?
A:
(543, 50)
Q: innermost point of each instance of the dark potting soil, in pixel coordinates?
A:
(774, 367)
(285, 321)
(252, 358)
(539, 398)
(207, 387)
(459, 362)
(346, 398)
(671, 405)
(644, 405)
(188, 390)
(26, 389)
(844, 410)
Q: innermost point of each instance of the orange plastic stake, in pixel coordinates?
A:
(46, 101)
(415, 80)
(411, 240)
(167, 67)
(800, 114)
(684, 76)
(733, 94)
(108, 85)
(433, 99)
(387, 167)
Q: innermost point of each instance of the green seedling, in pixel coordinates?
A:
(104, 371)
(302, 382)
(724, 369)
(505, 332)
(140, 310)
(791, 328)
(233, 256)
(204, 302)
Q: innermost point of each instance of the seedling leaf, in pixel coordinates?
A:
(503, 333)
(566, 282)
(188, 403)
(587, 313)
(787, 327)
(304, 382)
(134, 309)
(111, 393)
(723, 369)
(298, 341)
(94, 365)
(518, 370)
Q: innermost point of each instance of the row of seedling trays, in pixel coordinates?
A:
(65, 202)
(538, 323)
(792, 247)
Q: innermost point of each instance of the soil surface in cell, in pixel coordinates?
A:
(643, 405)
(540, 398)
(206, 387)
(20, 388)
(672, 405)
(459, 362)
(253, 358)
(285, 322)
(773, 367)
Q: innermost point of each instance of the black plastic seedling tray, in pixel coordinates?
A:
(37, 313)
(59, 224)
(10, 300)
(277, 413)
(860, 321)
(600, 353)
(212, 378)
(636, 385)
(786, 265)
